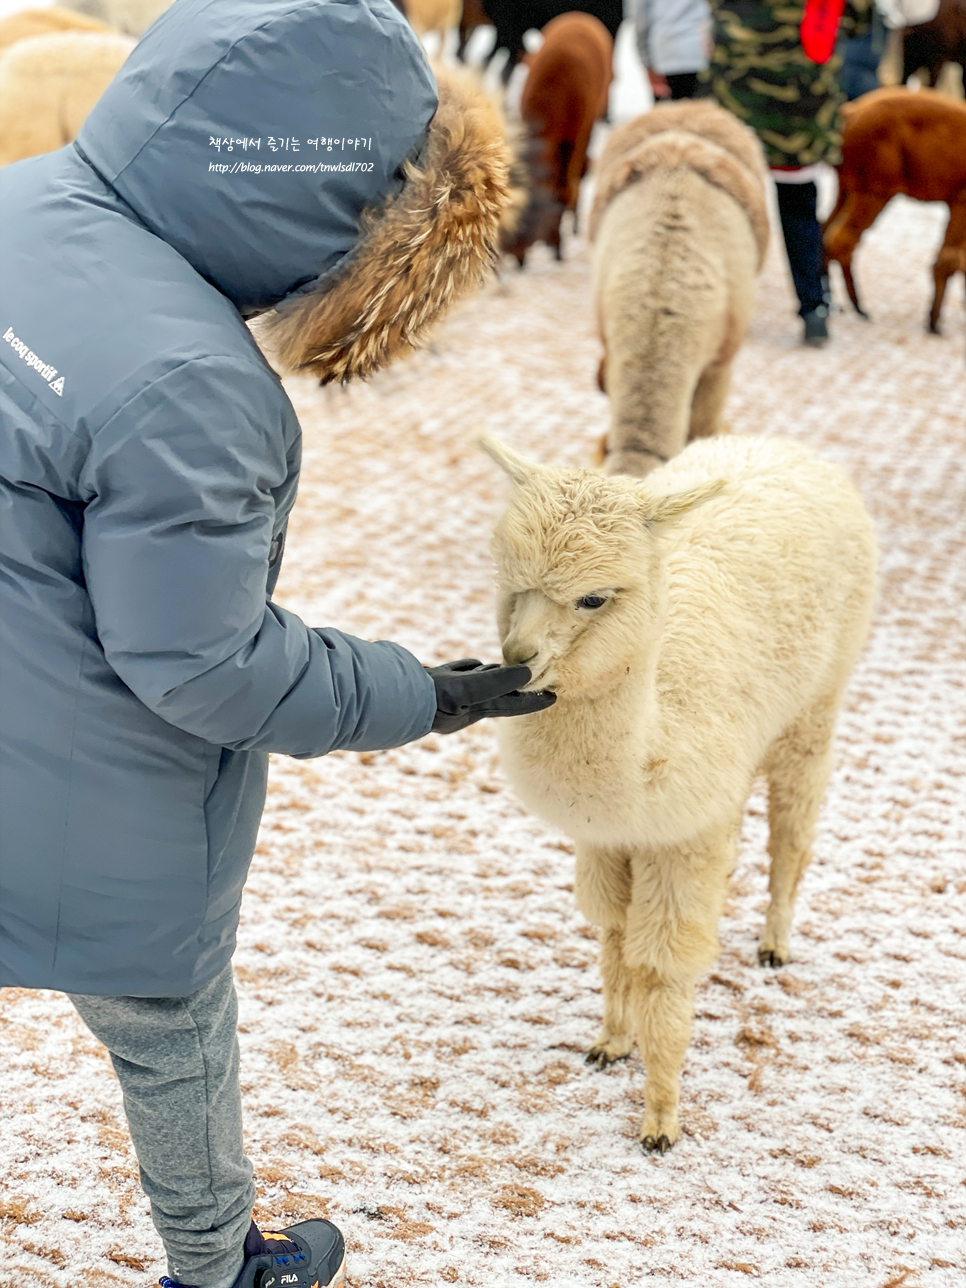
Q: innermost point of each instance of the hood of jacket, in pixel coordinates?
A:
(217, 130)
(299, 151)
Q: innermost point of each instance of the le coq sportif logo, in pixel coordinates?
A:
(27, 354)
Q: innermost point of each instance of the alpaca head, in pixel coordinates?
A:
(580, 583)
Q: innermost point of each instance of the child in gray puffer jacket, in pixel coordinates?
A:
(293, 158)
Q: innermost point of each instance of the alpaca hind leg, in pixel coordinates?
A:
(841, 236)
(664, 1010)
(797, 767)
(616, 1037)
(708, 402)
(950, 260)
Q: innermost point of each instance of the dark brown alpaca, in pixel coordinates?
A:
(937, 42)
(565, 92)
(895, 141)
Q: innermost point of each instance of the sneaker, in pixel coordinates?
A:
(816, 327)
(308, 1255)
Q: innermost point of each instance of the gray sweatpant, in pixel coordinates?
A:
(177, 1061)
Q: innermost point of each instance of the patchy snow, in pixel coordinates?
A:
(416, 986)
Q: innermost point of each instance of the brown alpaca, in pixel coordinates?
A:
(565, 92)
(894, 142)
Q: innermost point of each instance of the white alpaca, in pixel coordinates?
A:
(48, 85)
(698, 628)
(680, 229)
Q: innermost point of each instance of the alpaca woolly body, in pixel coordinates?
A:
(41, 22)
(438, 16)
(738, 583)
(48, 86)
(679, 227)
(674, 268)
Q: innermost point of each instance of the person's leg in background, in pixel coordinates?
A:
(803, 243)
(686, 85)
(177, 1063)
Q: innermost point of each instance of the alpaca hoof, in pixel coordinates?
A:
(771, 957)
(655, 1144)
(601, 1057)
(933, 328)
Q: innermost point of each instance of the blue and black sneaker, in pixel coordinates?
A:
(308, 1255)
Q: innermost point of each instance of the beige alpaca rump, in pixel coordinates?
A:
(680, 229)
(48, 85)
(698, 629)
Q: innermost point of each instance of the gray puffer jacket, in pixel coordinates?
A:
(148, 462)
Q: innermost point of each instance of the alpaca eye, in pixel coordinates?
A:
(591, 601)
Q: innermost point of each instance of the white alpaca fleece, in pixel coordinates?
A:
(48, 85)
(680, 228)
(698, 629)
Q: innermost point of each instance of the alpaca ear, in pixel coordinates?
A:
(517, 467)
(663, 508)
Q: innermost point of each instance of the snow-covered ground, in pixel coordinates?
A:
(416, 986)
(417, 989)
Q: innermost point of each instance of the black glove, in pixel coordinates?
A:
(468, 691)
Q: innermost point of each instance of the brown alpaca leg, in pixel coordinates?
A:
(708, 402)
(797, 767)
(843, 231)
(950, 260)
(616, 1036)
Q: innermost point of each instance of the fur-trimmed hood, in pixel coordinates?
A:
(695, 134)
(419, 252)
(299, 154)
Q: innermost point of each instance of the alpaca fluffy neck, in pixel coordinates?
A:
(583, 762)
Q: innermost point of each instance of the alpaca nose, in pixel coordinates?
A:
(518, 655)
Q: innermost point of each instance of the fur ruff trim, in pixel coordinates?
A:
(421, 251)
(696, 135)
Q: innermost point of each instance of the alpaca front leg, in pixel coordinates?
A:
(616, 1036)
(671, 937)
(663, 1011)
(602, 885)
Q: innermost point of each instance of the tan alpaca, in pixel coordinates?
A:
(48, 85)
(698, 629)
(440, 16)
(40, 22)
(680, 229)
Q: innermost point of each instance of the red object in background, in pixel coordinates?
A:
(820, 28)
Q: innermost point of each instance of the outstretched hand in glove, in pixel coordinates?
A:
(468, 691)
